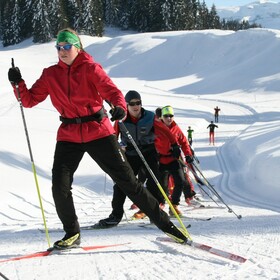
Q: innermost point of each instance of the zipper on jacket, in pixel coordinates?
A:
(69, 98)
(68, 81)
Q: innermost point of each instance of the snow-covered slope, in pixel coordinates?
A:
(265, 13)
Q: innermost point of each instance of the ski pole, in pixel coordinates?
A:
(3, 276)
(197, 179)
(152, 174)
(211, 187)
(105, 183)
(204, 192)
(31, 158)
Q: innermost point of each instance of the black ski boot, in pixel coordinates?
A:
(176, 234)
(109, 222)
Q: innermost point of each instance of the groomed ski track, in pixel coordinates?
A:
(133, 261)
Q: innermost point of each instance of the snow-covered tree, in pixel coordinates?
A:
(203, 16)
(41, 23)
(87, 23)
(76, 13)
(155, 19)
(214, 19)
(55, 16)
(112, 11)
(11, 24)
(124, 14)
(26, 18)
(97, 16)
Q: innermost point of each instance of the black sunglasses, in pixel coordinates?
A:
(168, 116)
(135, 103)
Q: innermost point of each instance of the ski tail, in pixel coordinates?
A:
(218, 252)
(67, 250)
(209, 249)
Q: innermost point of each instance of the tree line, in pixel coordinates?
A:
(42, 19)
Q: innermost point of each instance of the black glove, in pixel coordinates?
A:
(118, 113)
(189, 159)
(175, 151)
(14, 75)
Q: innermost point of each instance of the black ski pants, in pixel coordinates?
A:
(108, 154)
(137, 163)
(180, 182)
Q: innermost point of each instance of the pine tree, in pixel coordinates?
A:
(180, 15)
(11, 25)
(139, 16)
(203, 16)
(124, 12)
(167, 9)
(191, 14)
(3, 4)
(175, 14)
(214, 19)
(55, 16)
(112, 13)
(26, 18)
(70, 14)
(41, 23)
(87, 23)
(75, 6)
(98, 18)
(155, 19)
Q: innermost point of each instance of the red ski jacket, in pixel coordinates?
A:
(163, 145)
(75, 91)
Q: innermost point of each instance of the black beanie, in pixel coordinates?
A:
(132, 94)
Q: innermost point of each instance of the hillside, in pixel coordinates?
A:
(265, 13)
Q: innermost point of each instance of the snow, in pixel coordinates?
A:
(263, 12)
(234, 3)
(194, 71)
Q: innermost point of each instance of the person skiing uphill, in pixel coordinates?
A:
(77, 87)
(190, 132)
(211, 128)
(216, 113)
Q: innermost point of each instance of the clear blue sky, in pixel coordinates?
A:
(224, 3)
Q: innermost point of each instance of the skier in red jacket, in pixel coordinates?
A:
(77, 87)
(170, 165)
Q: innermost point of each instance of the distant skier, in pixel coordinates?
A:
(211, 127)
(216, 114)
(190, 132)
